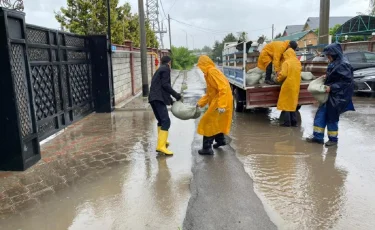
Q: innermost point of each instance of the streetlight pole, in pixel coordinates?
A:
(141, 13)
(193, 41)
(187, 47)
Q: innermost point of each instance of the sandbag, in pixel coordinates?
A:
(318, 90)
(307, 76)
(255, 70)
(253, 78)
(185, 112)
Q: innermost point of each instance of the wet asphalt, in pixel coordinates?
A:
(268, 178)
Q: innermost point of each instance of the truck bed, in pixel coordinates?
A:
(264, 96)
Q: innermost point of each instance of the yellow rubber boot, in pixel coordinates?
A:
(162, 139)
(167, 143)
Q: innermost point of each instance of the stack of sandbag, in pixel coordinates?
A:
(257, 76)
(185, 112)
(253, 76)
(318, 90)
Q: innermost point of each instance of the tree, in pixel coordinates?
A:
(242, 36)
(261, 39)
(206, 49)
(183, 58)
(87, 17)
(279, 35)
(219, 46)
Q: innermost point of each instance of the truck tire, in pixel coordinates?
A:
(238, 103)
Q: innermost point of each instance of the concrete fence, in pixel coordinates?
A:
(127, 75)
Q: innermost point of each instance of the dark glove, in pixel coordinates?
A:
(178, 97)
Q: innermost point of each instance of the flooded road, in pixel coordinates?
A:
(269, 177)
(307, 186)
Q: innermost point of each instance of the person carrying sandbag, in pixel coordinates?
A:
(340, 87)
(160, 96)
(271, 55)
(217, 119)
(290, 76)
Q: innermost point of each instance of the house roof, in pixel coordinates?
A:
(313, 22)
(291, 29)
(293, 37)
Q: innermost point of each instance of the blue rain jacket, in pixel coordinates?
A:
(339, 78)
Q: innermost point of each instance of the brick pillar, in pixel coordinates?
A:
(132, 77)
(19, 147)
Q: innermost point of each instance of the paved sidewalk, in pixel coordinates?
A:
(95, 144)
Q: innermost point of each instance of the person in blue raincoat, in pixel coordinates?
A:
(340, 86)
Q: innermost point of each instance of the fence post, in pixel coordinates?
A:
(101, 74)
(19, 146)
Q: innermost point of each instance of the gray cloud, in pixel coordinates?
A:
(219, 16)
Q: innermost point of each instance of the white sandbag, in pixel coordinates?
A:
(185, 112)
(307, 76)
(318, 90)
(262, 80)
(255, 70)
(253, 78)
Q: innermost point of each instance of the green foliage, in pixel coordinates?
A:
(242, 36)
(279, 35)
(87, 17)
(218, 47)
(182, 58)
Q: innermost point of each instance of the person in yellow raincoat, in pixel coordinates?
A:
(290, 77)
(271, 55)
(218, 118)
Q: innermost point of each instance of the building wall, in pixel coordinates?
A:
(125, 83)
(121, 76)
(310, 39)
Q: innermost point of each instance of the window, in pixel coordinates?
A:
(355, 57)
(370, 57)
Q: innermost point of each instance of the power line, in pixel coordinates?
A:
(215, 31)
(162, 8)
(172, 6)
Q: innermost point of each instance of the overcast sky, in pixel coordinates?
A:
(211, 20)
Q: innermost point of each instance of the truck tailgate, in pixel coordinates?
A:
(267, 96)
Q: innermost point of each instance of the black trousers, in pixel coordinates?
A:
(208, 141)
(269, 72)
(290, 118)
(161, 113)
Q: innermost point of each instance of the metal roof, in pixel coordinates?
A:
(293, 37)
(360, 25)
(292, 29)
(313, 22)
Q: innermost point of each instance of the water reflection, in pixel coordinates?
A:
(297, 180)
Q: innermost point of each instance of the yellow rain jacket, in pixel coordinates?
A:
(291, 77)
(218, 95)
(272, 52)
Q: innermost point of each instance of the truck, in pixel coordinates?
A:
(237, 59)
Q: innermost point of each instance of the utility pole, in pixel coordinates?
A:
(324, 22)
(110, 47)
(273, 30)
(141, 13)
(170, 33)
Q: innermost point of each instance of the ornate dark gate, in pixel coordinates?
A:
(60, 76)
(49, 80)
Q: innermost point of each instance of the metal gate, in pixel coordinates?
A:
(61, 78)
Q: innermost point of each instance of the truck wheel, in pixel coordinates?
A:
(238, 102)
